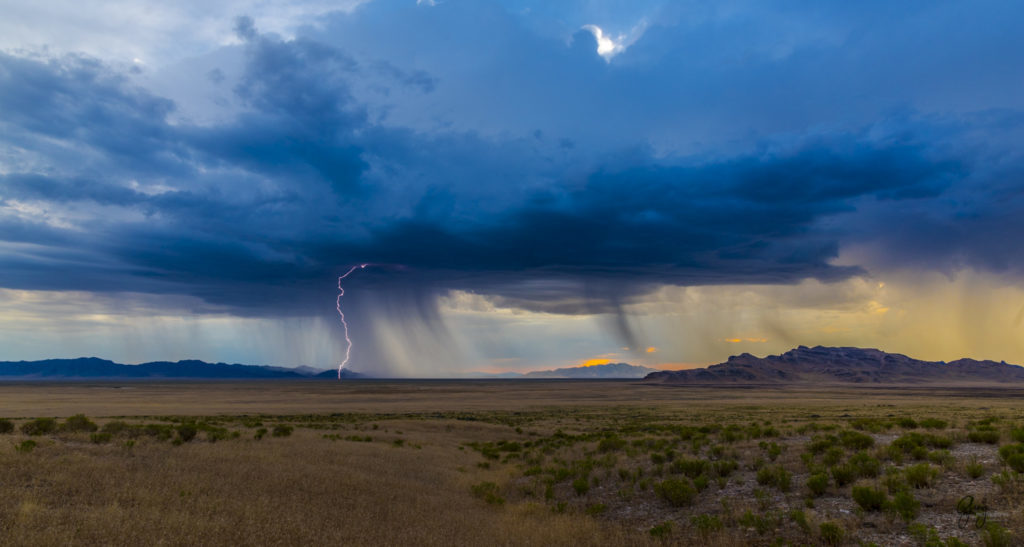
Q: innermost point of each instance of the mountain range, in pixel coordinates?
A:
(610, 370)
(84, 368)
(606, 371)
(821, 365)
(803, 365)
(96, 368)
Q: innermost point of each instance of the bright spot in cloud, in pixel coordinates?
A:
(595, 362)
(652, 349)
(606, 46)
(752, 340)
(609, 46)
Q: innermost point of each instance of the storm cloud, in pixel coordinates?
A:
(512, 161)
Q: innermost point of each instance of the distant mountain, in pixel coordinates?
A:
(95, 368)
(346, 374)
(841, 365)
(611, 370)
(494, 375)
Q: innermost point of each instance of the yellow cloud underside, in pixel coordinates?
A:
(751, 340)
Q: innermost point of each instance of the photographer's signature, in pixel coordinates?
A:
(968, 509)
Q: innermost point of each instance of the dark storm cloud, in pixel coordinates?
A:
(79, 100)
(39, 187)
(259, 213)
(747, 220)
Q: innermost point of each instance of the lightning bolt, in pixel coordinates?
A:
(348, 341)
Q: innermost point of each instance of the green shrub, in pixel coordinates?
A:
(282, 430)
(263, 431)
(186, 432)
(974, 468)
(581, 485)
(706, 524)
(611, 444)
(776, 476)
(817, 483)
(933, 423)
(100, 438)
(596, 509)
(843, 474)
(1009, 482)
(677, 492)
(866, 465)
(489, 492)
(688, 467)
(1016, 462)
(831, 533)
(39, 426)
(894, 481)
(928, 536)
(700, 483)
(773, 449)
(214, 434)
(995, 535)
(869, 498)
(833, 456)
(920, 475)
(820, 443)
(941, 457)
(874, 425)
(1017, 434)
(987, 435)
(1013, 456)
(762, 523)
(800, 518)
(661, 531)
(724, 468)
(907, 423)
(25, 446)
(907, 444)
(79, 423)
(855, 440)
(115, 427)
(160, 431)
(904, 504)
(6, 426)
(1008, 450)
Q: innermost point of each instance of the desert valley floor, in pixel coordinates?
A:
(508, 462)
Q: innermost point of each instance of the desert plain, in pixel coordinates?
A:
(490, 462)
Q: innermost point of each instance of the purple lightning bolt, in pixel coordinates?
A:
(348, 341)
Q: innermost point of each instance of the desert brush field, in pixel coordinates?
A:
(507, 463)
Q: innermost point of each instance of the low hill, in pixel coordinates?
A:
(94, 368)
(610, 370)
(346, 374)
(841, 365)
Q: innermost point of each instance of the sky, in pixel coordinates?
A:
(533, 184)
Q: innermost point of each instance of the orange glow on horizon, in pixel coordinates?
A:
(751, 340)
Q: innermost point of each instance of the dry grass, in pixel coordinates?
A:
(413, 483)
(297, 490)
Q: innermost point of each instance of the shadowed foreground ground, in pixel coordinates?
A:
(503, 462)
